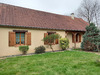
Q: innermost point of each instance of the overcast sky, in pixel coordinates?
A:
(64, 7)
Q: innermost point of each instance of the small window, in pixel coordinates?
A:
(20, 38)
(49, 33)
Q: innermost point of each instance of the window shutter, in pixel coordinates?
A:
(45, 34)
(73, 38)
(79, 37)
(28, 38)
(56, 41)
(11, 38)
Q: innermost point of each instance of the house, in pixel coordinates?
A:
(23, 26)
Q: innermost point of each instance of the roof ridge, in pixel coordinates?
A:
(37, 10)
(32, 9)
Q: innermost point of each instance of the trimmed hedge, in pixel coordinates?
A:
(40, 49)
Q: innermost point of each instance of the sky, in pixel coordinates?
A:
(63, 7)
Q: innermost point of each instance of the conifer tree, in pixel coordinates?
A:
(91, 39)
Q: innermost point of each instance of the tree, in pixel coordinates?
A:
(90, 11)
(91, 39)
(50, 39)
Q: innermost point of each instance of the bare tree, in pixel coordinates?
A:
(97, 13)
(90, 11)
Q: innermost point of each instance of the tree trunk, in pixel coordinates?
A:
(51, 48)
(98, 47)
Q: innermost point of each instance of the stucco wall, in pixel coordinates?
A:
(36, 37)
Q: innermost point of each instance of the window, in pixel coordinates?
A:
(49, 33)
(20, 38)
(76, 38)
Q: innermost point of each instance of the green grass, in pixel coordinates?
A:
(77, 49)
(57, 63)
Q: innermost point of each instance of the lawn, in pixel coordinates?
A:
(57, 63)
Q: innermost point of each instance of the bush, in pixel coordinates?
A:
(24, 49)
(64, 43)
(40, 49)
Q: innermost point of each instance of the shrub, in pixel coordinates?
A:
(40, 49)
(24, 49)
(64, 43)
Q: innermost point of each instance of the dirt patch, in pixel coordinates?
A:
(2, 58)
(98, 53)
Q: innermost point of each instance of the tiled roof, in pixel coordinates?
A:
(23, 17)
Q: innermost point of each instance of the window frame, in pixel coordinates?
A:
(20, 38)
(49, 33)
(20, 31)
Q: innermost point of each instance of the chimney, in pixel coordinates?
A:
(72, 15)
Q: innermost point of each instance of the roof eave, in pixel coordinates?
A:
(39, 28)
